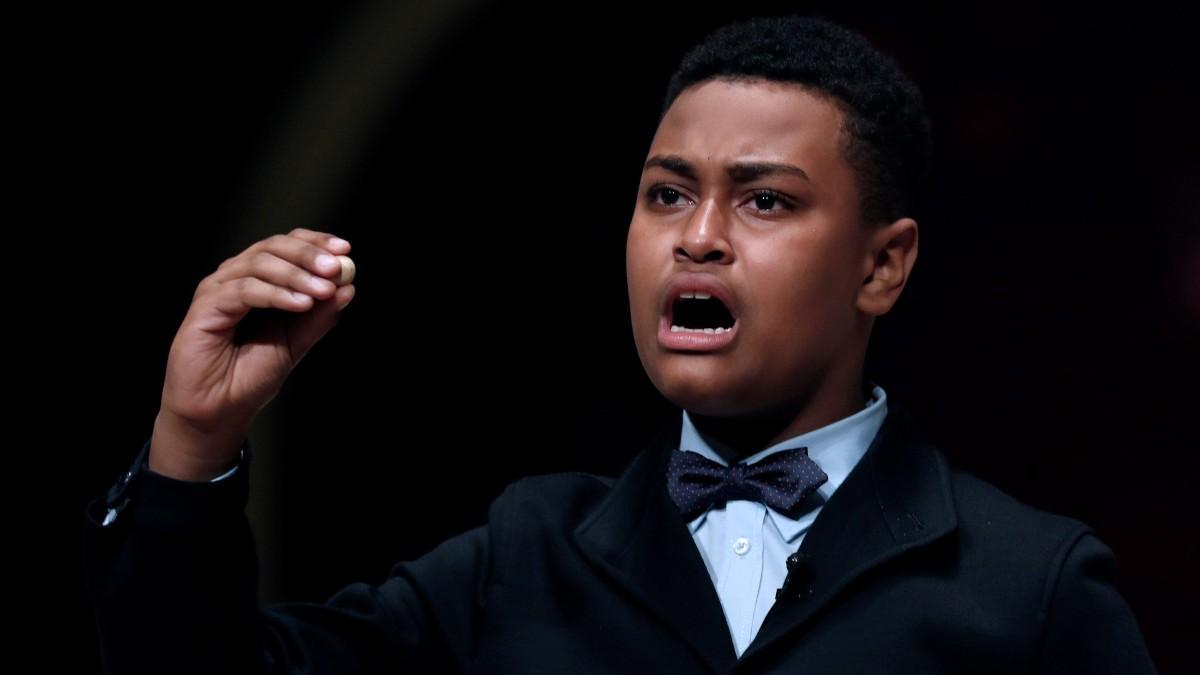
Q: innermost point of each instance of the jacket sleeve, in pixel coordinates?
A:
(172, 578)
(1089, 626)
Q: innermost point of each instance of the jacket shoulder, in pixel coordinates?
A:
(981, 504)
(1056, 566)
(551, 503)
(1010, 534)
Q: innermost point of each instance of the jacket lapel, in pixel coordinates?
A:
(638, 538)
(897, 498)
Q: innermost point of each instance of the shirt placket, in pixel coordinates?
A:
(739, 587)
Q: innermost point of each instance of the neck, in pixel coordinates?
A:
(736, 438)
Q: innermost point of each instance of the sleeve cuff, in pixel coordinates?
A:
(167, 503)
(229, 473)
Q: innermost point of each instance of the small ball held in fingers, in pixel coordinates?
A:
(347, 274)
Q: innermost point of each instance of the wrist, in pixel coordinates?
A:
(179, 451)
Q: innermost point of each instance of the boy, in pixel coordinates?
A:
(791, 519)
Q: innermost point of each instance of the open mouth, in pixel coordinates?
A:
(699, 313)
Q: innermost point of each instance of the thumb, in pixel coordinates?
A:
(316, 322)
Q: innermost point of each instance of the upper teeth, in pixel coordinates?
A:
(698, 296)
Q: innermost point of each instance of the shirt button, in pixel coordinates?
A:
(741, 546)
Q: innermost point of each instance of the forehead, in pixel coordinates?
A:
(719, 121)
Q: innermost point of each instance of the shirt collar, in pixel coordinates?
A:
(835, 447)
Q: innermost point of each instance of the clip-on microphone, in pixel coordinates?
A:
(798, 572)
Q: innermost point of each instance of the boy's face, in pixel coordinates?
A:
(786, 250)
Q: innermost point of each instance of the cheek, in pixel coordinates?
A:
(641, 274)
(644, 261)
(803, 295)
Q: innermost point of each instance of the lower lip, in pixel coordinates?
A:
(693, 342)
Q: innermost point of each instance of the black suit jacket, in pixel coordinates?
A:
(912, 567)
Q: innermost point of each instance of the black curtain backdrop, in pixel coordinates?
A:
(483, 159)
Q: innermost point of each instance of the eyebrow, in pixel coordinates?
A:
(740, 172)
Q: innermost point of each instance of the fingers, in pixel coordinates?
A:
(305, 249)
(329, 242)
(272, 269)
(343, 296)
(316, 257)
(302, 260)
(290, 271)
(235, 298)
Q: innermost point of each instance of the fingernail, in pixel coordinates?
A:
(327, 261)
(339, 242)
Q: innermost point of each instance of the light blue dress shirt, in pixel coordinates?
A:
(745, 544)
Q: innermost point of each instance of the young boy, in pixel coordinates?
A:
(791, 519)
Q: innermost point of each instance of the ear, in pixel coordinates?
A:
(889, 258)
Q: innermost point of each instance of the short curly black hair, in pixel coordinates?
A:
(886, 132)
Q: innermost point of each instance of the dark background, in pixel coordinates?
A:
(483, 160)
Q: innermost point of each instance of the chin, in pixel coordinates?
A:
(700, 391)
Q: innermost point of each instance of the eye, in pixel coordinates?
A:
(764, 200)
(669, 196)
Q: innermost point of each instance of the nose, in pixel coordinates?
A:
(706, 235)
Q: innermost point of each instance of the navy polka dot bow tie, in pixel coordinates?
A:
(782, 481)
